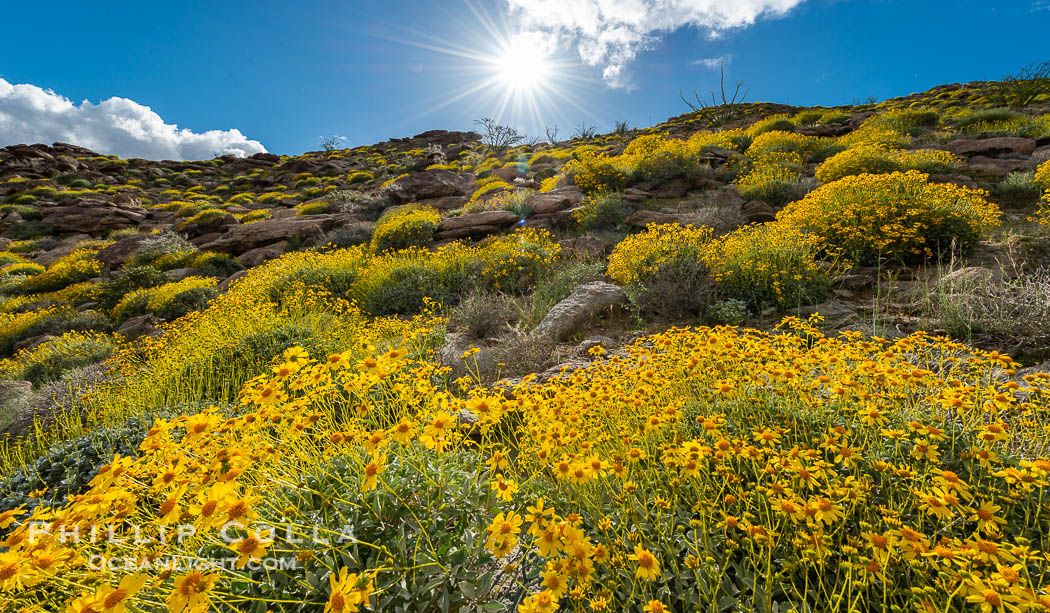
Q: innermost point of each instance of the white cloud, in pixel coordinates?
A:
(712, 62)
(30, 114)
(611, 33)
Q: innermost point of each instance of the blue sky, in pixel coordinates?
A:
(285, 74)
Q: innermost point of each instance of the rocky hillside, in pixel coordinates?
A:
(757, 357)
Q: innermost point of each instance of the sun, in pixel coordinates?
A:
(522, 67)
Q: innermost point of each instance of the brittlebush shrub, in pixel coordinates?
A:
(769, 265)
(405, 227)
(49, 360)
(652, 158)
(1042, 178)
(78, 266)
(663, 269)
(892, 216)
(879, 159)
(775, 178)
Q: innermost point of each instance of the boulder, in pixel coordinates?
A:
(428, 184)
(477, 224)
(982, 164)
(584, 247)
(575, 312)
(1001, 145)
(962, 278)
(307, 228)
(560, 199)
(93, 216)
(143, 325)
(254, 257)
(954, 179)
(120, 251)
(757, 211)
(225, 283)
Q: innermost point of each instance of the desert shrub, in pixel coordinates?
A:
(602, 211)
(51, 359)
(168, 300)
(780, 123)
(1042, 178)
(597, 172)
(906, 121)
(28, 229)
(80, 265)
(735, 140)
(67, 468)
(514, 263)
(784, 142)
(402, 284)
(776, 178)
(7, 257)
(663, 270)
(213, 264)
(204, 217)
(727, 312)
(16, 327)
(22, 268)
(173, 300)
(158, 246)
(769, 265)
(1018, 186)
(1013, 311)
(314, 208)
(256, 215)
(131, 278)
(482, 314)
(879, 159)
(489, 187)
(834, 116)
(808, 116)
(898, 216)
(410, 226)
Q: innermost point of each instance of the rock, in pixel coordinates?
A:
(632, 194)
(225, 283)
(92, 216)
(307, 228)
(996, 167)
(584, 247)
(993, 146)
(508, 173)
(954, 179)
(120, 251)
(428, 184)
(833, 311)
(968, 277)
(584, 348)
(254, 257)
(757, 211)
(445, 203)
(143, 325)
(477, 224)
(559, 199)
(576, 311)
(178, 274)
(675, 188)
(32, 342)
(265, 157)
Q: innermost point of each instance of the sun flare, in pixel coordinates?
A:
(522, 68)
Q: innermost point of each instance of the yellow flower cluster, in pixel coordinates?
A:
(702, 467)
(769, 264)
(1042, 177)
(876, 158)
(899, 215)
(408, 226)
(640, 255)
